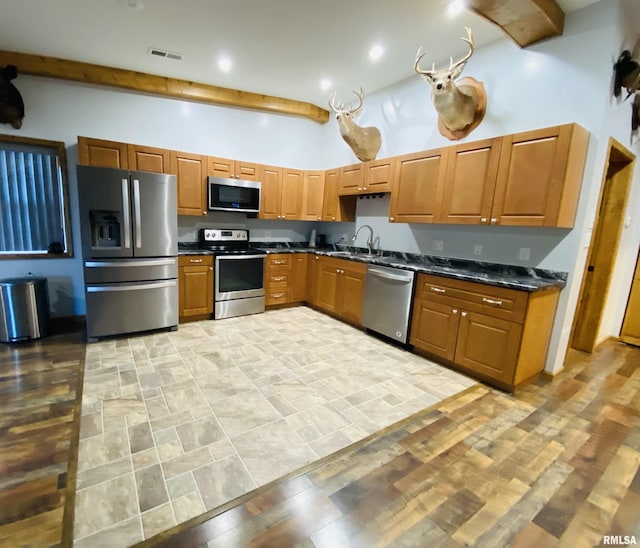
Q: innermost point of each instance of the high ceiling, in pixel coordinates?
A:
(283, 48)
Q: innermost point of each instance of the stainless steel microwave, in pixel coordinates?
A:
(233, 195)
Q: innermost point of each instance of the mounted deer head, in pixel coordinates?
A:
(460, 107)
(364, 141)
(11, 105)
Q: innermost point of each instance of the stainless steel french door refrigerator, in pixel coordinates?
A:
(129, 231)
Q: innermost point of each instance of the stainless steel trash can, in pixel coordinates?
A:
(24, 309)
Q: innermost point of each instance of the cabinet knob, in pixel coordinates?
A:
(483, 220)
(283, 216)
(392, 218)
(493, 220)
(317, 258)
(204, 212)
(454, 311)
(333, 218)
(464, 314)
(210, 268)
(318, 218)
(195, 260)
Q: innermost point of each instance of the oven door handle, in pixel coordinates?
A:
(237, 257)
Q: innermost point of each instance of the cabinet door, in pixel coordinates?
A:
(531, 177)
(312, 268)
(418, 186)
(326, 286)
(270, 179)
(378, 175)
(291, 194)
(488, 345)
(245, 170)
(100, 153)
(351, 179)
(351, 294)
(220, 167)
(196, 290)
(472, 169)
(191, 171)
(330, 210)
(434, 328)
(298, 283)
(143, 158)
(312, 195)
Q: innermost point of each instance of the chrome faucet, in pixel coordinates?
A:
(369, 241)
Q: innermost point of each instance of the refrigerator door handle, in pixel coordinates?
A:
(130, 287)
(136, 209)
(127, 213)
(130, 264)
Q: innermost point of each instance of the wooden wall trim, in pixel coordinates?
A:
(525, 21)
(64, 69)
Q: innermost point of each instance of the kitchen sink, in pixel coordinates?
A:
(339, 253)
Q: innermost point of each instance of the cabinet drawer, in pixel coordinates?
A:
(277, 296)
(498, 302)
(195, 260)
(280, 261)
(275, 278)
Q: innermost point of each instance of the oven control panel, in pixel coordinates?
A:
(224, 235)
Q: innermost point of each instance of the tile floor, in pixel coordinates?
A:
(175, 424)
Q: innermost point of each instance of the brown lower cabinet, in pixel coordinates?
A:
(285, 278)
(497, 334)
(338, 288)
(195, 283)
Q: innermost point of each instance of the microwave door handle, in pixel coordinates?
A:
(136, 210)
(127, 213)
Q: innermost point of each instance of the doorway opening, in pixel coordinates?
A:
(612, 204)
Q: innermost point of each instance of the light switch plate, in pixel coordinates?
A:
(477, 249)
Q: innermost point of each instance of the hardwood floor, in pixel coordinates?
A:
(39, 423)
(554, 465)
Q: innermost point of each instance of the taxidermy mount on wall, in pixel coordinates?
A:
(11, 105)
(627, 76)
(364, 141)
(460, 107)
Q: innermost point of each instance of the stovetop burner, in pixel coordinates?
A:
(223, 241)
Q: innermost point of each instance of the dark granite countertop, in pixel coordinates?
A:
(510, 276)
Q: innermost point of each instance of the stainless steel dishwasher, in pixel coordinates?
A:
(387, 301)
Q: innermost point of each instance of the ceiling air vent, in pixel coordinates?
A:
(164, 53)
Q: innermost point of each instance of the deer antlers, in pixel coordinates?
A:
(339, 108)
(453, 67)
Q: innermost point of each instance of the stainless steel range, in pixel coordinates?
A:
(238, 285)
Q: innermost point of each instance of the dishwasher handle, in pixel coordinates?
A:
(388, 276)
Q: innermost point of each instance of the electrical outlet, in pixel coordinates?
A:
(477, 249)
(524, 254)
(437, 245)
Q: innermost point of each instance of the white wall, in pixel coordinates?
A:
(61, 111)
(561, 80)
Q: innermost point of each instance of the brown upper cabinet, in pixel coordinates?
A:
(418, 185)
(143, 158)
(539, 177)
(367, 177)
(191, 171)
(312, 195)
(335, 207)
(471, 173)
(233, 169)
(101, 153)
(281, 193)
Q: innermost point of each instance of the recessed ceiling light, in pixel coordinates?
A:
(325, 84)
(376, 52)
(225, 63)
(454, 7)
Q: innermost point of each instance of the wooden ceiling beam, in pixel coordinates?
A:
(525, 21)
(63, 69)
